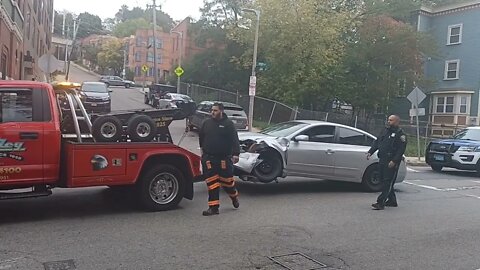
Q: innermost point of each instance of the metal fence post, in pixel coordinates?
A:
(326, 117)
(271, 115)
(296, 113)
(356, 120)
(237, 97)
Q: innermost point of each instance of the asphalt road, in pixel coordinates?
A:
(436, 225)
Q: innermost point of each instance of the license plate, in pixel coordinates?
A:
(94, 104)
(439, 157)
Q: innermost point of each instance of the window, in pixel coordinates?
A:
(150, 41)
(150, 57)
(455, 34)
(352, 137)
(138, 56)
(445, 104)
(322, 134)
(452, 69)
(159, 43)
(138, 71)
(159, 59)
(16, 106)
(463, 104)
(139, 41)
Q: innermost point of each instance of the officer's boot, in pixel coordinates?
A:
(235, 202)
(212, 210)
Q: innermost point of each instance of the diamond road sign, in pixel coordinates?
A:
(179, 71)
(145, 68)
(416, 96)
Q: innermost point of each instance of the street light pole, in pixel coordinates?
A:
(180, 57)
(254, 66)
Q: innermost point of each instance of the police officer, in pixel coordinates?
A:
(220, 148)
(391, 146)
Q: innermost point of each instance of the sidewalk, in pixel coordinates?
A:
(413, 161)
(84, 69)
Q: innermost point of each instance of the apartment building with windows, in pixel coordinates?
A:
(25, 35)
(454, 100)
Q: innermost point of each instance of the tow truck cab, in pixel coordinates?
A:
(33, 153)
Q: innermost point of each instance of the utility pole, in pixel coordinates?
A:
(180, 57)
(154, 9)
(75, 30)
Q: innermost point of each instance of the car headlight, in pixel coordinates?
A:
(467, 148)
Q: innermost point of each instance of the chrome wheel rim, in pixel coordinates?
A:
(108, 130)
(164, 188)
(143, 130)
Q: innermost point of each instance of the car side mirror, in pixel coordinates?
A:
(301, 138)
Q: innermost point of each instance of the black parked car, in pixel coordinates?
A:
(96, 97)
(233, 111)
(116, 81)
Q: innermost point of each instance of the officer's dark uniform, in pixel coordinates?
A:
(391, 146)
(219, 141)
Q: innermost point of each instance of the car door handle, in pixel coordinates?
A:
(28, 135)
(330, 151)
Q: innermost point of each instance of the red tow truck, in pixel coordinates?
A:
(47, 141)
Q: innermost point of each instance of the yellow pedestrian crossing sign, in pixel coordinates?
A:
(145, 68)
(179, 71)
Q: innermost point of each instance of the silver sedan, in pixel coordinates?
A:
(311, 149)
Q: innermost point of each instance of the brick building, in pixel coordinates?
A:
(25, 26)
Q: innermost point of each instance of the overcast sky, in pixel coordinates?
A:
(177, 9)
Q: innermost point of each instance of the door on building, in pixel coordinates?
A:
(3, 65)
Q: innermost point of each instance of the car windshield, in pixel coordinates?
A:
(468, 134)
(283, 129)
(97, 88)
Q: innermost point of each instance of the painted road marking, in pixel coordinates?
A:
(412, 170)
(445, 189)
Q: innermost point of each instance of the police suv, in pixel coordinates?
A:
(461, 152)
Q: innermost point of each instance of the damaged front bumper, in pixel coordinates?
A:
(252, 154)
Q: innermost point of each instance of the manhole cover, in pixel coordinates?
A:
(60, 265)
(297, 261)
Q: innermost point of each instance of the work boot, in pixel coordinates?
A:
(378, 206)
(391, 204)
(235, 202)
(211, 211)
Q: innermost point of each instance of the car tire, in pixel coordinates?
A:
(172, 185)
(371, 179)
(127, 85)
(141, 128)
(270, 168)
(436, 168)
(107, 128)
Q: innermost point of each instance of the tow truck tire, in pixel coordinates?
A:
(161, 188)
(141, 128)
(107, 128)
(371, 181)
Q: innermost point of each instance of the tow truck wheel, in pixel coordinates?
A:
(161, 188)
(141, 128)
(107, 128)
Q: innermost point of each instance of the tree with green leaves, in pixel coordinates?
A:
(89, 25)
(129, 27)
(111, 56)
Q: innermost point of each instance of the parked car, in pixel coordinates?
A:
(116, 81)
(96, 97)
(314, 149)
(233, 111)
(462, 151)
(155, 92)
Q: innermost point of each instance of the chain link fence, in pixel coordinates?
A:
(267, 112)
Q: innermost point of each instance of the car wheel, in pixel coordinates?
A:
(437, 168)
(161, 188)
(371, 179)
(270, 167)
(107, 128)
(127, 85)
(141, 128)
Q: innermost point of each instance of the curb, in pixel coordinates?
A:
(417, 164)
